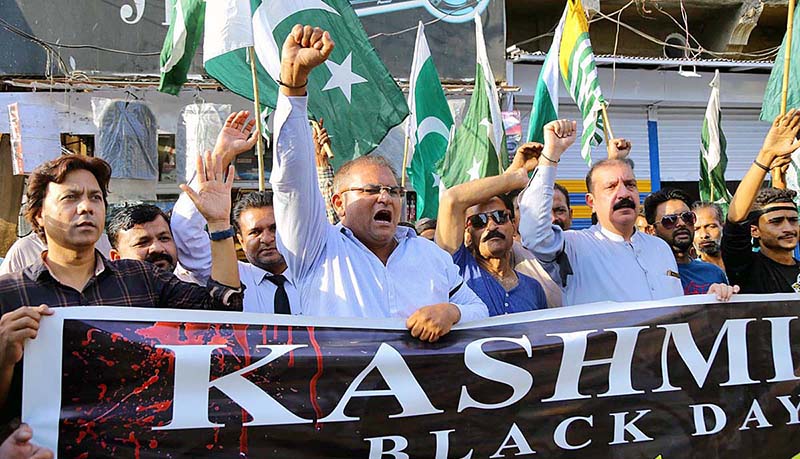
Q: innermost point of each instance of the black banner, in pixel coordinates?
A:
(680, 381)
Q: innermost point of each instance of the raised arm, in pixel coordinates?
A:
(303, 227)
(776, 151)
(618, 148)
(538, 233)
(456, 200)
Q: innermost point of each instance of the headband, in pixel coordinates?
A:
(753, 216)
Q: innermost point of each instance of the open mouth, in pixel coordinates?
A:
(383, 216)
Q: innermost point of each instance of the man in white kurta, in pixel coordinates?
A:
(365, 266)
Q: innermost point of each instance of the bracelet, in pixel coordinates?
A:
(766, 169)
(547, 158)
(293, 87)
(221, 235)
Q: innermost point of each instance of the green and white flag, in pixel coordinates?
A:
(428, 127)
(478, 148)
(545, 101)
(713, 159)
(353, 91)
(180, 44)
(771, 106)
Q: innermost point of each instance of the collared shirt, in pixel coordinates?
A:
(194, 252)
(605, 266)
(335, 273)
(527, 295)
(27, 250)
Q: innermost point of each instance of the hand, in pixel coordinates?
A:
(235, 138)
(429, 323)
(303, 49)
(724, 292)
(527, 157)
(18, 446)
(618, 148)
(558, 136)
(781, 139)
(321, 138)
(17, 326)
(213, 195)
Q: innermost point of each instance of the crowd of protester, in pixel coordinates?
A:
(320, 244)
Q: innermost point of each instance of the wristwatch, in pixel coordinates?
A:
(221, 235)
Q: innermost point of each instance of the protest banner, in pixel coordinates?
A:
(681, 378)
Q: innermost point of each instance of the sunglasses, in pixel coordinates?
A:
(670, 221)
(479, 221)
(374, 190)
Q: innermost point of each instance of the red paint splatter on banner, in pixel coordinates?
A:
(313, 385)
(264, 334)
(291, 353)
(153, 444)
(159, 407)
(89, 337)
(103, 389)
(138, 390)
(83, 456)
(109, 363)
(275, 332)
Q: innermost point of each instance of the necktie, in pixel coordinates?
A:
(281, 298)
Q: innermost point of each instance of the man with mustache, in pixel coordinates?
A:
(769, 215)
(366, 266)
(562, 211)
(610, 261)
(141, 232)
(708, 232)
(669, 218)
(269, 287)
(483, 247)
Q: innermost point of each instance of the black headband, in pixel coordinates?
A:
(754, 215)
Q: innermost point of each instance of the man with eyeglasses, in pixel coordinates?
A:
(483, 250)
(366, 266)
(610, 261)
(769, 215)
(670, 218)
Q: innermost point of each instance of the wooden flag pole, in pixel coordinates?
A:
(606, 126)
(778, 176)
(405, 161)
(325, 147)
(257, 115)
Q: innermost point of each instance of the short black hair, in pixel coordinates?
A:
(603, 163)
(563, 190)
(126, 217)
(713, 206)
(767, 196)
(508, 201)
(253, 200)
(661, 196)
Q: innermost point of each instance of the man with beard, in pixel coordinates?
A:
(141, 232)
(610, 261)
(562, 211)
(269, 284)
(708, 232)
(768, 215)
(483, 250)
(669, 218)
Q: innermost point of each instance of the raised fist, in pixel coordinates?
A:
(304, 48)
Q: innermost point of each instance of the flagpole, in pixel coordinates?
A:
(326, 147)
(257, 115)
(778, 176)
(606, 125)
(405, 161)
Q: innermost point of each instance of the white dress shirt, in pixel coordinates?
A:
(194, 252)
(335, 273)
(605, 266)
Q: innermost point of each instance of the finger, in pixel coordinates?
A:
(230, 120)
(736, 289)
(248, 127)
(308, 31)
(45, 309)
(417, 330)
(23, 433)
(253, 139)
(23, 323)
(435, 338)
(297, 33)
(327, 44)
(190, 193)
(425, 335)
(20, 336)
(241, 118)
(316, 35)
(321, 122)
(231, 175)
(200, 168)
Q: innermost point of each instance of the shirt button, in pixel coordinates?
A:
(506, 304)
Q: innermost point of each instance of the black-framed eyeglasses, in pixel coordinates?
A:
(479, 221)
(670, 221)
(374, 190)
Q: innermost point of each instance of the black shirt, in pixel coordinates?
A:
(753, 271)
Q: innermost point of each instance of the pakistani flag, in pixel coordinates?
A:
(180, 44)
(579, 72)
(545, 101)
(713, 160)
(352, 91)
(771, 107)
(428, 127)
(478, 148)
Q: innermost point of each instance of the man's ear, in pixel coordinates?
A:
(754, 232)
(338, 205)
(240, 238)
(650, 229)
(114, 255)
(589, 200)
(467, 238)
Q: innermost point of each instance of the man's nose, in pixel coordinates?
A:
(85, 206)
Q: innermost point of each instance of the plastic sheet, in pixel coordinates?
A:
(198, 127)
(127, 138)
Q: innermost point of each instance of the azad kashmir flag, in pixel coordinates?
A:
(713, 159)
(771, 107)
(579, 72)
(478, 148)
(180, 44)
(545, 101)
(353, 91)
(428, 128)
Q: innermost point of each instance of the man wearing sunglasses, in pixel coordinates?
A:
(767, 215)
(670, 218)
(366, 266)
(483, 246)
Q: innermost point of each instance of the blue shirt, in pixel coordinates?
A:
(697, 276)
(528, 295)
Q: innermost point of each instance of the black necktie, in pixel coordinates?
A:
(281, 298)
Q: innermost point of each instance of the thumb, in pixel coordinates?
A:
(190, 192)
(23, 434)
